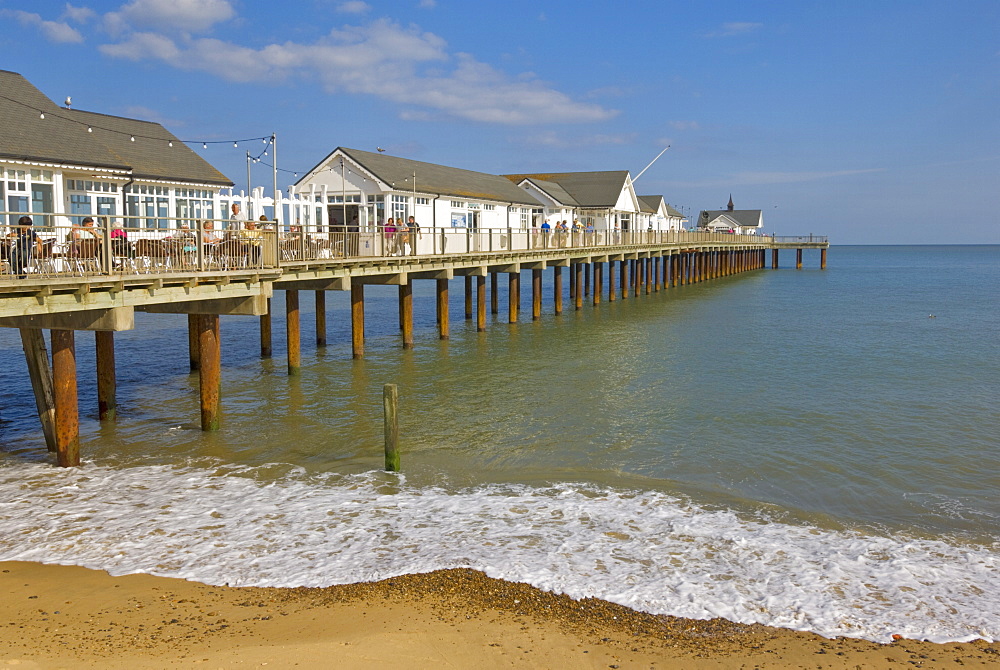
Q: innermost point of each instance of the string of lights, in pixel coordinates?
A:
(42, 115)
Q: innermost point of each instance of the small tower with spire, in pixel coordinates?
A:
(729, 207)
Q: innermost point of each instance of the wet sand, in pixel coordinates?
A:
(70, 617)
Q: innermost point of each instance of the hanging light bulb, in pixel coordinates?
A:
(265, 153)
(235, 145)
(170, 143)
(41, 115)
(132, 138)
(204, 145)
(89, 129)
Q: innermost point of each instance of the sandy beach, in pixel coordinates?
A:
(71, 617)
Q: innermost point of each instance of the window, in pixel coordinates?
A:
(423, 201)
(80, 205)
(489, 208)
(457, 204)
(400, 206)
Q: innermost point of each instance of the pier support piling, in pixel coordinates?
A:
(265, 332)
(293, 331)
(513, 296)
(612, 293)
(442, 308)
(481, 304)
(209, 371)
(37, 358)
(67, 415)
(357, 319)
(107, 386)
(468, 296)
(536, 294)
(320, 318)
(193, 330)
(406, 312)
(557, 290)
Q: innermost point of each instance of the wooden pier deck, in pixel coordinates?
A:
(64, 293)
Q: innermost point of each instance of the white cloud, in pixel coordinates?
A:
(354, 7)
(760, 178)
(554, 140)
(53, 31)
(193, 16)
(78, 14)
(427, 4)
(685, 125)
(147, 114)
(403, 65)
(735, 28)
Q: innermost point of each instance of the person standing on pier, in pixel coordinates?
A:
(238, 217)
(414, 234)
(402, 238)
(25, 244)
(389, 234)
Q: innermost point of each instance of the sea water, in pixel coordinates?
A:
(813, 449)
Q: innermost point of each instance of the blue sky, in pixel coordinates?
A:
(872, 122)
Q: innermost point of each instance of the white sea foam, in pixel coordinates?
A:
(646, 550)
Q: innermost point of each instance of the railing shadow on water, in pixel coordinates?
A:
(61, 245)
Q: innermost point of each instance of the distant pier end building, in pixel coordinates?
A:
(731, 220)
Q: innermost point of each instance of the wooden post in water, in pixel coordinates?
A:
(612, 292)
(572, 283)
(649, 274)
(494, 291)
(513, 295)
(210, 371)
(320, 318)
(442, 308)
(390, 406)
(623, 277)
(37, 358)
(67, 415)
(557, 290)
(481, 304)
(293, 332)
(536, 294)
(822, 259)
(468, 296)
(636, 276)
(265, 332)
(406, 310)
(675, 269)
(193, 330)
(107, 392)
(578, 298)
(587, 269)
(798, 259)
(598, 282)
(357, 319)
(656, 274)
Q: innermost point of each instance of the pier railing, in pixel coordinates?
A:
(800, 239)
(160, 245)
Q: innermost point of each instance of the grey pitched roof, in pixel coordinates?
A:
(588, 189)
(436, 179)
(750, 218)
(62, 137)
(650, 203)
(673, 212)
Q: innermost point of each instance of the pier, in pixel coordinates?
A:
(98, 286)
